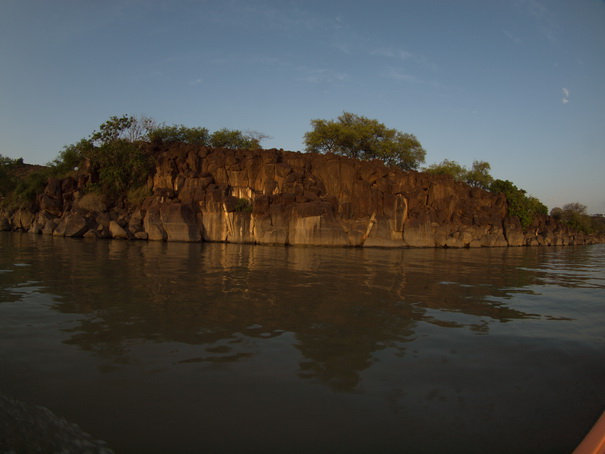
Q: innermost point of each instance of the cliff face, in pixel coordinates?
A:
(278, 197)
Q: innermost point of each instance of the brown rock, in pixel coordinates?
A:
(117, 231)
(22, 219)
(50, 205)
(179, 222)
(141, 236)
(73, 225)
(513, 232)
(92, 234)
(299, 199)
(152, 224)
(418, 234)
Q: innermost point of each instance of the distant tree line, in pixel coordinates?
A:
(575, 216)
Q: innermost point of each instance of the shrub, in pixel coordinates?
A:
(120, 165)
(136, 196)
(7, 179)
(233, 138)
(180, 133)
(526, 208)
(574, 215)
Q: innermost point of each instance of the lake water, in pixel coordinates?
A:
(168, 347)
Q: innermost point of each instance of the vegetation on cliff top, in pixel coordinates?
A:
(363, 138)
(576, 217)
(118, 160)
(525, 207)
(477, 176)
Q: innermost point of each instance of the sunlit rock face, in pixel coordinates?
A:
(289, 198)
(278, 197)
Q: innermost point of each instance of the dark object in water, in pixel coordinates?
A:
(26, 428)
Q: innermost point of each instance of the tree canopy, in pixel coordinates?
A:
(7, 182)
(363, 138)
(525, 207)
(478, 175)
(575, 215)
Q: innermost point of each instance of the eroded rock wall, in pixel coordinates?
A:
(279, 197)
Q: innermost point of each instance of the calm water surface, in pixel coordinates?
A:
(157, 347)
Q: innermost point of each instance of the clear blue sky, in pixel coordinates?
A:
(517, 83)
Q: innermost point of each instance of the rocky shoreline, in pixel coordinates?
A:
(288, 198)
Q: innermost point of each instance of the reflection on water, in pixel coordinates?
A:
(231, 346)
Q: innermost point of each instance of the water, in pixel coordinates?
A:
(157, 347)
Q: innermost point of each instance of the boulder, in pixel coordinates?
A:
(49, 228)
(50, 205)
(22, 219)
(116, 231)
(73, 225)
(152, 223)
(141, 236)
(513, 232)
(92, 234)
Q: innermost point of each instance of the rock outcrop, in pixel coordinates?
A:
(288, 198)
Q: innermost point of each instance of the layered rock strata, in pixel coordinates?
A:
(288, 198)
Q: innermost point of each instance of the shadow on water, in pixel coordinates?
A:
(342, 305)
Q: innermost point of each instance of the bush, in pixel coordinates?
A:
(136, 196)
(526, 208)
(232, 138)
(29, 187)
(574, 215)
(72, 157)
(120, 165)
(7, 179)
(477, 176)
(180, 133)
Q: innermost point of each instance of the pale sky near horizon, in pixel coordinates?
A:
(517, 83)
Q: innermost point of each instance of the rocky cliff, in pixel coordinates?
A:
(279, 197)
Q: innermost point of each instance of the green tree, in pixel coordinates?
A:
(72, 157)
(7, 178)
(113, 129)
(557, 213)
(447, 167)
(479, 176)
(180, 133)
(526, 208)
(363, 138)
(575, 216)
(233, 138)
(121, 166)
(126, 127)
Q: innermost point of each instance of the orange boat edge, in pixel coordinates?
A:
(594, 441)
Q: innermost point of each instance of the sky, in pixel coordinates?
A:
(517, 83)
